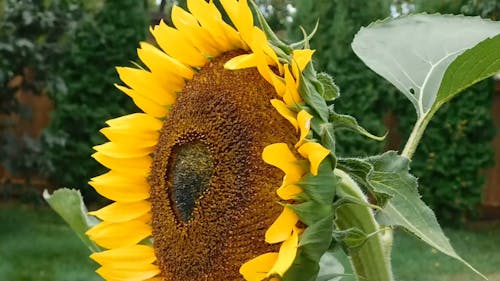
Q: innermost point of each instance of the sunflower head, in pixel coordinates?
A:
(227, 172)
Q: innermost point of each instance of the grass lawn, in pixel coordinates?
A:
(36, 245)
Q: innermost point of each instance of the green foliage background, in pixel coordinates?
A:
(456, 147)
(101, 42)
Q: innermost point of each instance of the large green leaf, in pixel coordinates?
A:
(415, 52)
(68, 203)
(405, 208)
(470, 67)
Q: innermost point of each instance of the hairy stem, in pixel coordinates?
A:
(416, 134)
(370, 262)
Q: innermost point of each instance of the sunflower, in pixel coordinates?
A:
(216, 179)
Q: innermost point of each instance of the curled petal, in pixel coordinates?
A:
(286, 256)
(280, 156)
(291, 96)
(315, 152)
(282, 228)
(288, 114)
(257, 268)
(301, 59)
(304, 121)
(289, 191)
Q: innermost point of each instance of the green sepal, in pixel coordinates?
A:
(316, 238)
(309, 88)
(341, 121)
(310, 212)
(330, 89)
(328, 141)
(68, 203)
(302, 269)
(304, 43)
(320, 188)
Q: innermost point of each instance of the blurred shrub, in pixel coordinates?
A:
(457, 144)
(34, 37)
(100, 43)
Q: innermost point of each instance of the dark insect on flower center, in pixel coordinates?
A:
(189, 171)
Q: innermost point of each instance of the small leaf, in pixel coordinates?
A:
(330, 89)
(352, 238)
(341, 121)
(415, 51)
(390, 175)
(68, 203)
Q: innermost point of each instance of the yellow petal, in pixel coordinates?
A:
(120, 187)
(315, 152)
(257, 268)
(199, 37)
(161, 63)
(121, 212)
(177, 45)
(289, 191)
(282, 228)
(291, 96)
(131, 138)
(240, 62)
(240, 14)
(286, 256)
(114, 150)
(280, 156)
(136, 121)
(304, 121)
(278, 83)
(135, 166)
(260, 44)
(134, 274)
(301, 59)
(116, 235)
(125, 257)
(148, 86)
(145, 104)
(283, 109)
(211, 20)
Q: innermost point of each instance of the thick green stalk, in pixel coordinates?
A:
(370, 262)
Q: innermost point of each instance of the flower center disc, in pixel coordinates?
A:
(212, 196)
